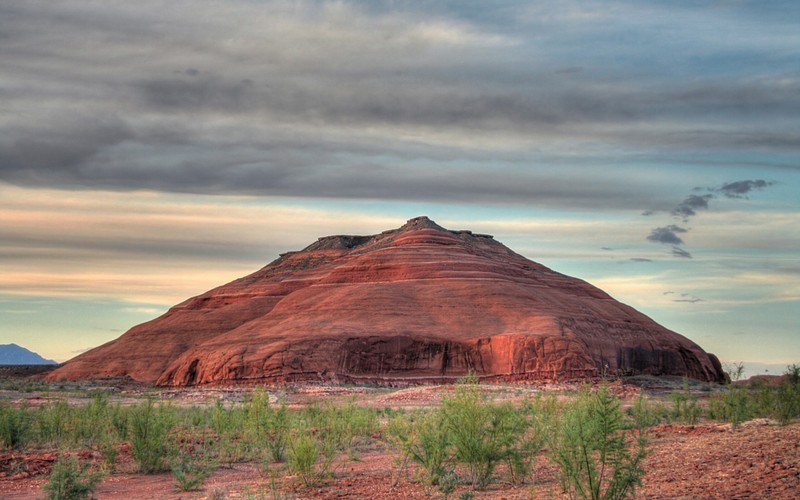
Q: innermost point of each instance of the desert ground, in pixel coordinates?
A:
(758, 458)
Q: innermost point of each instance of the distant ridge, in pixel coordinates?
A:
(12, 354)
(416, 304)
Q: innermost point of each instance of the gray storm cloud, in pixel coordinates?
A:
(667, 235)
(406, 101)
(740, 189)
(691, 204)
(688, 209)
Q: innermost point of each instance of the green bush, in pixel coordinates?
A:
(591, 448)
(56, 425)
(267, 427)
(15, 426)
(190, 473)
(534, 423)
(118, 417)
(685, 407)
(643, 414)
(70, 480)
(278, 433)
(93, 419)
(482, 434)
(304, 452)
(787, 400)
(150, 427)
(737, 404)
(762, 399)
(258, 412)
(425, 441)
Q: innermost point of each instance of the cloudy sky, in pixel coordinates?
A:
(151, 150)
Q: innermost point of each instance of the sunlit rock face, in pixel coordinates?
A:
(416, 304)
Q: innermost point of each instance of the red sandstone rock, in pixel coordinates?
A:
(415, 304)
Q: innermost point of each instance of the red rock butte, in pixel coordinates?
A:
(418, 304)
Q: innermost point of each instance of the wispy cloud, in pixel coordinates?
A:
(680, 252)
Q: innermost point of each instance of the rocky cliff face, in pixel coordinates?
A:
(415, 304)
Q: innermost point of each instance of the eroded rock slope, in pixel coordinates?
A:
(415, 304)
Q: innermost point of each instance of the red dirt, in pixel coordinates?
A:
(756, 460)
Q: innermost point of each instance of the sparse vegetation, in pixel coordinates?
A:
(482, 434)
(304, 455)
(15, 426)
(471, 441)
(423, 439)
(150, 427)
(592, 448)
(71, 480)
(190, 472)
(787, 401)
(685, 407)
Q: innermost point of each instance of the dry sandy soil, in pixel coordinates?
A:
(759, 459)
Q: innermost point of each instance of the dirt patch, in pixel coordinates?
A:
(756, 460)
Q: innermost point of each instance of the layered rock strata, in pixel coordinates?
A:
(411, 305)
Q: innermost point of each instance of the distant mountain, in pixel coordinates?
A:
(12, 354)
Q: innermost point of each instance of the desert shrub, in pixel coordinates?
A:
(425, 442)
(93, 419)
(278, 433)
(762, 399)
(71, 480)
(319, 437)
(304, 453)
(448, 483)
(592, 448)
(734, 405)
(737, 404)
(269, 426)
(787, 399)
(118, 418)
(643, 413)
(53, 424)
(23, 385)
(685, 407)
(257, 415)
(231, 420)
(232, 449)
(197, 417)
(190, 472)
(340, 428)
(150, 444)
(716, 407)
(15, 426)
(536, 424)
(482, 434)
(354, 425)
(109, 450)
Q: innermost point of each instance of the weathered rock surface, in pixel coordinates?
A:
(415, 304)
